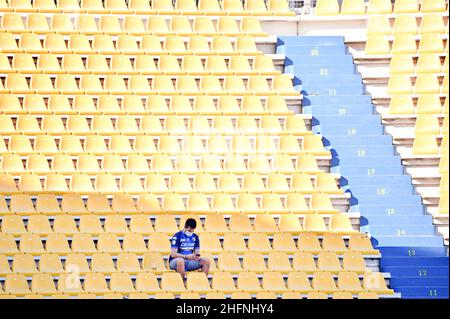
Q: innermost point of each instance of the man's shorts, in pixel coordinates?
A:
(189, 265)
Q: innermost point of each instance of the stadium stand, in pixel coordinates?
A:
(121, 119)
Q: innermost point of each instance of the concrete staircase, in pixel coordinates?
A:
(391, 211)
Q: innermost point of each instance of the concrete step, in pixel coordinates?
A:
(399, 230)
(415, 261)
(439, 251)
(407, 241)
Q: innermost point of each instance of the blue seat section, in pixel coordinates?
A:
(371, 171)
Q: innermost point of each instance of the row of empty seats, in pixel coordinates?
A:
(198, 282)
(134, 25)
(174, 203)
(426, 144)
(130, 45)
(209, 295)
(405, 43)
(357, 7)
(139, 164)
(425, 84)
(63, 244)
(131, 125)
(143, 105)
(426, 63)
(140, 84)
(142, 224)
(402, 104)
(179, 183)
(227, 261)
(144, 144)
(143, 64)
(157, 7)
(430, 23)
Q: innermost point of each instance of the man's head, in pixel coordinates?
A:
(189, 226)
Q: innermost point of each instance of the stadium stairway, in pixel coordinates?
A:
(391, 211)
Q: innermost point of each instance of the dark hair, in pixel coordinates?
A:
(191, 223)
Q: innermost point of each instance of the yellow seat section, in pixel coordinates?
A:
(404, 43)
(326, 8)
(351, 7)
(431, 43)
(378, 24)
(432, 6)
(280, 8)
(432, 23)
(428, 63)
(379, 7)
(425, 144)
(377, 44)
(401, 104)
(399, 84)
(405, 24)
(406, 6)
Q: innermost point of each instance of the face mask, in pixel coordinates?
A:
(188, 233)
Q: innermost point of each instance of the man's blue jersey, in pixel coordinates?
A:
(185, 244)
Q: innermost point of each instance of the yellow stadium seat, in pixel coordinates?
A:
(16, 284)
(321, 203)
(234, 242)
(229, 261)
(428, 104)
(432, 23)
(354, 261)
(152, 44)
(279, 261)
(251, 25)
(377, 44)
(406, 6)
(314, 223)
(248, 281)
(443, 203)
(280, 8)
(329, 261)
(197, 282)
(361, 243)
(427, 124)
(340, 223)
(431, 43)
(379, 7)
(102, 263)
(153, 262)
(223, 281)
(8, 245)
(432, 6)
(259, 242)
(326, 8)
(353, 7)
(31, 244)
(163, 7)
(274, 282)
(333, 243)
(376, 282)
(429, 63)
(240, 224)
(304, 261)
(21, 204)
(12, 22)
(323, 281)
(399, 84)
(404, 43)
(39, 225)
(172, 282)
(405, 24)
(401, 104)
(13, 225)
(7, 185)
(298, 281)
(426, 84)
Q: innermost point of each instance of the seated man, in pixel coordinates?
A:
(185, 253)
